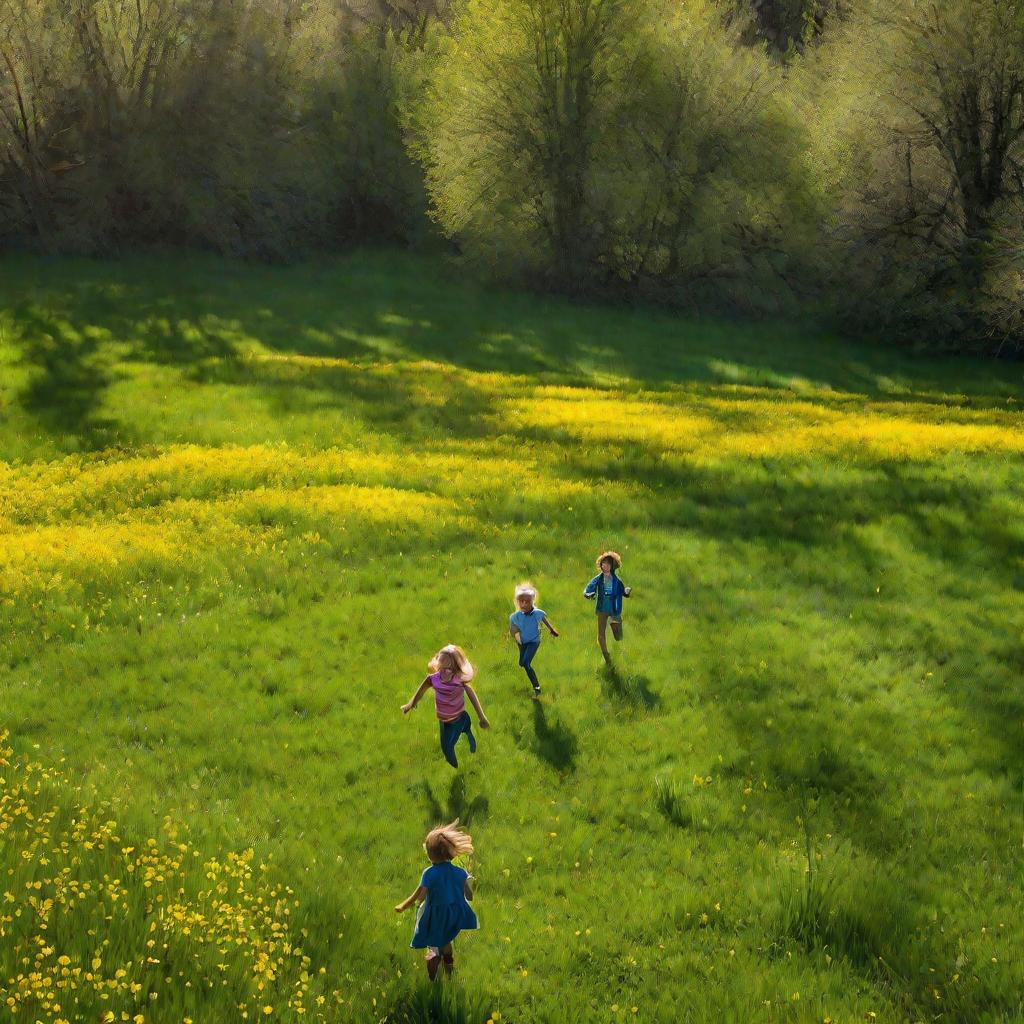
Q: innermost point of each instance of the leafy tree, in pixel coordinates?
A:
(786, 25)
(380, 186)
(710, 185)
(919, 112)
(623, 143)
(179, 120)
(513, 115)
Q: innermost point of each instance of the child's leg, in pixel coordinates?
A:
(526, 653)
(448, 956)
(450, 732)
(467, 728)
(434, 956)
(602, 635)
(617, 628)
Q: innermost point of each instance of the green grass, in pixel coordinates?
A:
(241, 507)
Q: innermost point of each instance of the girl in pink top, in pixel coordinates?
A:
(451, 673)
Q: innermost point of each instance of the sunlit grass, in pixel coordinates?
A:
(232, 537)
(93, 927)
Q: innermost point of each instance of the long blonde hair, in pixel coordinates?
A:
(446, 842)
(454, 659)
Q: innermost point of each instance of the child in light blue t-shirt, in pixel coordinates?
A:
(524, 625)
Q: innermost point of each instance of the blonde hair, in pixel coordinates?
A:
(526, 589)
(457, 661)
(610, 556)
(446, 842)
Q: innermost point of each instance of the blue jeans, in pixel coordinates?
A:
(526, 653)
(450, 733)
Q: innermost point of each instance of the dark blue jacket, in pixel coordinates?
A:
(618, 591)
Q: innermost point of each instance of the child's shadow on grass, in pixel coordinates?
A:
(556, 743)
(458, 805)
(629, 688)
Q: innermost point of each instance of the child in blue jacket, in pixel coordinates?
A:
(609, 591)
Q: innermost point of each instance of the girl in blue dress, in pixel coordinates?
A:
(442, 895)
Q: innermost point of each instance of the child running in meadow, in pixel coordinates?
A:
(524, 625)
(442, 895)
(451, 673)
(609, 591)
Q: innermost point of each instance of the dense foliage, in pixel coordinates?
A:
(857, 157)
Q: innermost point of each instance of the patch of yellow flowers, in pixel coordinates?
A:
(106, 514)
(94, 928)
(740, 422)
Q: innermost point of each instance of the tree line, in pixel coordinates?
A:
(863, 159)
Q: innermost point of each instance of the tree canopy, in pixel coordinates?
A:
(856, 158)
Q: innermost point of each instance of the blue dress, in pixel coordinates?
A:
(445, 912)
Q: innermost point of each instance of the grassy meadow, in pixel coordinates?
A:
(241, 507)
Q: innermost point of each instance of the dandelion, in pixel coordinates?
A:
(77, 868)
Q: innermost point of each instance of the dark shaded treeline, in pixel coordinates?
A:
(853, 159)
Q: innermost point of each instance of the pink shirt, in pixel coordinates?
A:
(449, 696)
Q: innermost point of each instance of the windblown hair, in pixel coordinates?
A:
(454, 659)
(610, 556)
(446, 842)
(528, 589)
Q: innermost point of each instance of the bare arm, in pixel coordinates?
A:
(475, 701)
(467, 888)
(424, 686)
(417, 897)
(514, 633)
(551, 626)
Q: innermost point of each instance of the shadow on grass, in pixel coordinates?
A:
(869, 919)
(765, 498)
(444, 1002)
(197, 313)
(425, 406)
(69, 340)
(555, 742)
(628, 688)
(458, 804)
(68, 375)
